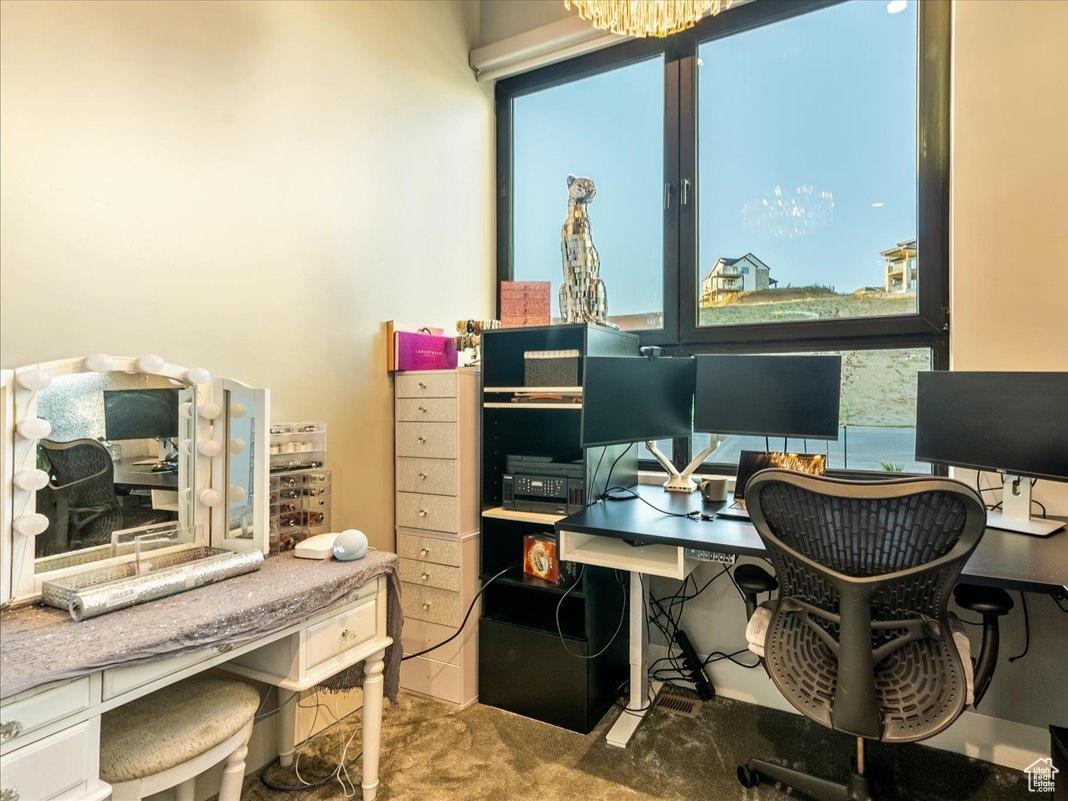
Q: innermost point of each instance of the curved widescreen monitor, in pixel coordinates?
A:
(1013, 423)
(635, 399)
(140, 413)
(768, 396)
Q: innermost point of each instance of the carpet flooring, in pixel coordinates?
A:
(431, 752)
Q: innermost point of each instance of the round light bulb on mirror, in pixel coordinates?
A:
(33, 379)
(235, 494)
(237, 445)
(99, 363)
(187, 447)
(210, 448)
(30, 525)
(34, 428)
(197, 376)
(150, 363)
(209, 497)
(186, 410)
(209, 411)
(237, 410)
(30, 480)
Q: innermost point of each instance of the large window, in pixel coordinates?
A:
(772, 181)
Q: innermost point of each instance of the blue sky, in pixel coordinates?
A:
(817, 112)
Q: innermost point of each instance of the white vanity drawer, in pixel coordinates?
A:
(427, 410)
(121, 680)
(340, 633)
(33, 709)
(430, 440)
(428, 549)
(433, 512)
(427, 385)
(434, 606)
(432, 476)
(57, 767)
(425, 574)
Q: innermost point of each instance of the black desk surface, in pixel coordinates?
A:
(1003, 558)
(140, 476)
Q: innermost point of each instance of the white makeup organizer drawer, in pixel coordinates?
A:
(437, 512)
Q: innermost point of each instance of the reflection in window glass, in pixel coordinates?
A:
(807, 168)
(609, 128)
(877, 417)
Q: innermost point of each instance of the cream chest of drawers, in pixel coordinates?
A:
(437, 512)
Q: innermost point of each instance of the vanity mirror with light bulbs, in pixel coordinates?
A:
(103, 455)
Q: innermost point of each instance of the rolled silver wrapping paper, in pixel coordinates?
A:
(92, 601)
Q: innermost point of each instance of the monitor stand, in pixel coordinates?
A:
(680, 482)
(1015, 514)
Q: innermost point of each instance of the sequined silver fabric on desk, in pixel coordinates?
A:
(39, 644)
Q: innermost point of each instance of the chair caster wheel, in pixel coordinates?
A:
(747, 778)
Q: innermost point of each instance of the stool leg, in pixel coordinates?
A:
(185, 790)
(287, 725)
(373, 685)
(234, 772)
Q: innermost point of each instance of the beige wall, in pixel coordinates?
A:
(1009, 268)
(251, 187)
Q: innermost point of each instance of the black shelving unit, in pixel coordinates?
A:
(535, 638)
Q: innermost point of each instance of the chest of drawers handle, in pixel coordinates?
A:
(422, 385)
(422, 476)
(420, 440)
(425, 576)
(422, 410)
(426, 605)
(422, 512)
(9, 730)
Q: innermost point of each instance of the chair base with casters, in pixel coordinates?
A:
(168, 738)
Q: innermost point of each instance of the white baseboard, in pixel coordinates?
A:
(1003, 742)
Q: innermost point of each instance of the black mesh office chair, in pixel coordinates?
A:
(83, 478)
(859, 638)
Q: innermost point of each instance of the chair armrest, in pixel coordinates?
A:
(991, 603)
(752, 580)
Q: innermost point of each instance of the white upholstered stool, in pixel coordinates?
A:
(169, 737)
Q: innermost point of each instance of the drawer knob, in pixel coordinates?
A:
(426, 605)
(422, 410)
(422, 385)
(422, 476)
(9, 794)
(420, 440)
(424, 551)
(9, 730)
(425, 576)
(422, 512)
(346, 634)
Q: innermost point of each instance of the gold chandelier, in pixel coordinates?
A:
(643, 18)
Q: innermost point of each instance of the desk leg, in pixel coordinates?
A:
(373, 685)
(287, 726)
(640, 695)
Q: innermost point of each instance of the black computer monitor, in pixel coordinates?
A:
(770, 396)
(636, 399)
(140, 413)
(1011, 423)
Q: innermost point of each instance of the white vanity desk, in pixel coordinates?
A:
(50, 747)
(292, 623)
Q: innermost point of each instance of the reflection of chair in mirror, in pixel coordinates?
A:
(860, 639)
(82, 476)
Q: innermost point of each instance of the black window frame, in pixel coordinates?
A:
(681, 335)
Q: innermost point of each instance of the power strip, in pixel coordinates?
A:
(710, 556)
